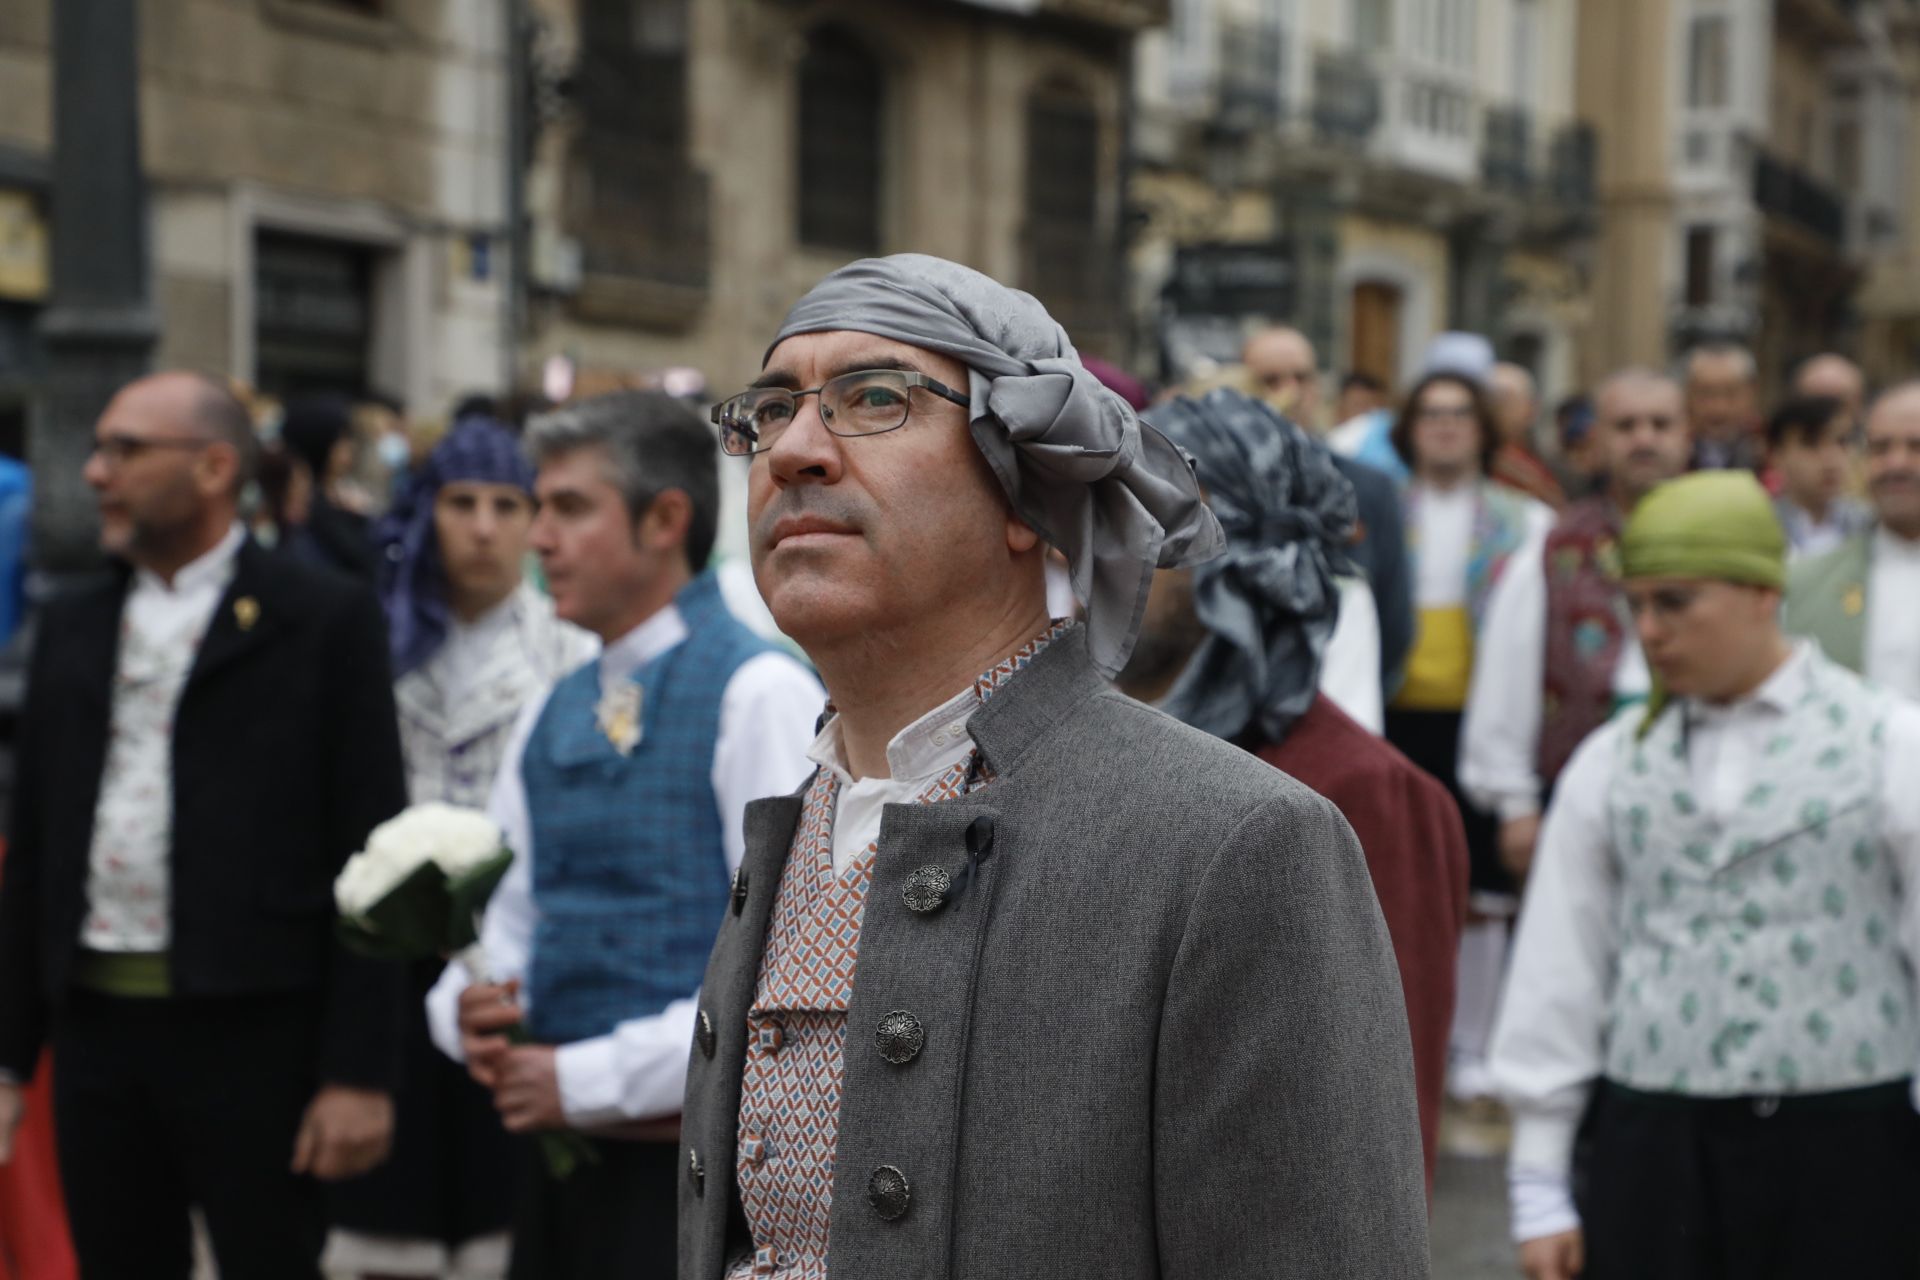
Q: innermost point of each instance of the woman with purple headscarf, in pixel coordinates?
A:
(472, 644)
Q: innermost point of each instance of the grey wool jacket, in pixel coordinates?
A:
(1164, 1033)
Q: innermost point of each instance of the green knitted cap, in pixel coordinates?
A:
(1711, 524)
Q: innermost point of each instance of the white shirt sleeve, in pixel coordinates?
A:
(506, 930)
(638, 1071)
(1350, 668)
(1500, 734)
(1900, 826)
(1547, 1042)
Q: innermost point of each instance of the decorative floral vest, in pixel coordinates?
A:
(1760, 956)
(1586, 626)
(797, 1028)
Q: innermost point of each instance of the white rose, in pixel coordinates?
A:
(456, 839)
(452, 838)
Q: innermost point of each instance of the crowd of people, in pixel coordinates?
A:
(1134, 831)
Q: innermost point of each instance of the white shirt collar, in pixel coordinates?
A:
(1888, 545)
(634, 650)
(492, 621)
(209, 569)
(1778, 693)
(936, 741)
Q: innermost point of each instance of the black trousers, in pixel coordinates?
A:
(1794, 1188)
(613, 1217)
(1431, 739)
(164, 1104)
(452, 1172)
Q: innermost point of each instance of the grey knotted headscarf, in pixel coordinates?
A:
(1269, 603)
(1076, 463)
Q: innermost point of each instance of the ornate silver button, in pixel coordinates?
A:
(888, 1192)
(926, 889)
(900, 1037)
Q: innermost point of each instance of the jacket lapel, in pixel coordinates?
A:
(709, 1129)
(93, 649)
(247, 615)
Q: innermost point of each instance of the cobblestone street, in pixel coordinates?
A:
(1470, 1220)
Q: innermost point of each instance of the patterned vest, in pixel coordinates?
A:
(1585, 630)
(629, 872)
(1759, 957)
(797, 1027)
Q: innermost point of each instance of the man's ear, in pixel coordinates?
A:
(665, 522)
(1021, 537)
(217, 469)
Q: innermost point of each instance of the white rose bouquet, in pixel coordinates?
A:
(416, 893)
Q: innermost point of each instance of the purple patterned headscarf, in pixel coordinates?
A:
(413, 582)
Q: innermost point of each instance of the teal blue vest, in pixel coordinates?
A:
(629, 872)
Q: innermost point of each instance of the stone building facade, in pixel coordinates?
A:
(698, 165)
(1372, 171)
(328, 183)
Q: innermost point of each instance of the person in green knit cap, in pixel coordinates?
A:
(1712, 1000)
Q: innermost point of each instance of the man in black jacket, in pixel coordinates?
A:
(204, 742)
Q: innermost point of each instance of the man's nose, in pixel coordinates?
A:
(806, 452)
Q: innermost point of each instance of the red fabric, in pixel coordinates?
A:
(1516, 467)
(1416, 850)
(33, 1216)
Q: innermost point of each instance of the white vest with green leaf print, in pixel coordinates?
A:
(1760, 955)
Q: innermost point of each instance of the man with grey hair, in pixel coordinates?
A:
(1029, 980)
(621, 793)
(1723, 404)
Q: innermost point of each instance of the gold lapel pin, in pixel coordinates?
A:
(246, 612)
(1855, 601)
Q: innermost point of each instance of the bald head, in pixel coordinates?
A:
(1722, 399)
(1640, 436)
(1286, 370)
(1834, 377)
(1516, 401)
(171, 452)
(1893, 459)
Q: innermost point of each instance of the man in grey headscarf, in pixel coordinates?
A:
(1234, 646)
(1029, 980)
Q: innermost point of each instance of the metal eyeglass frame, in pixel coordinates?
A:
(723, 411)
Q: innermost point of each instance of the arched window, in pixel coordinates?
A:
(839, 177)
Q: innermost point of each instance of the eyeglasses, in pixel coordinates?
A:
(116, 450)
(865, 403)
(1445, 413)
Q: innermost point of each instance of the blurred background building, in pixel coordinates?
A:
(428, 197)
(1372, 171)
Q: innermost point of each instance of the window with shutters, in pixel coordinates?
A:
(842, 146)
(636, 202)
(1070, 263)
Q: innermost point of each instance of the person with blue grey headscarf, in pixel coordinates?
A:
(473, 643)
(1028, 979)
(1237, 647)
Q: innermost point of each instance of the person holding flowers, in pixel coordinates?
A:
(207, 735)
(472, 644)
(621, 795)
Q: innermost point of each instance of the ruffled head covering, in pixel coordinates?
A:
(1076, 463)
(413, 582)
(1718, 525)
(1711, 524)
(1269, 602)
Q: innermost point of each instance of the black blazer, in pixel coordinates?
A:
(286, 753)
